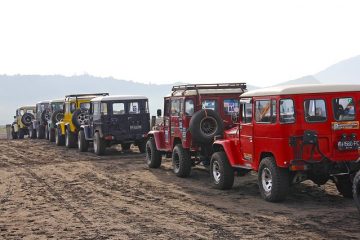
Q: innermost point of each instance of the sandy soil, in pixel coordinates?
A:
(50, 192)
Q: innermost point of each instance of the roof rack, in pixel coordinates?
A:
(209, 86)
(87, 94)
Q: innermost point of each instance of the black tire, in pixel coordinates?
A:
(181, 161)
(80, 117)
(13, 134)
(99, 145)
(69, 139)
(83, 145)
(59, 138)
(40, 132)
(356, 190)
(32, 133)
(27, 119)
(57, 116)
(205, 125)
(20, 134)
(45, 116)
(278, 189)
(52, 133)
(344, 185)
(125, 146)
(221, 171)
(142, 146)
(153, 156)
(47, 132)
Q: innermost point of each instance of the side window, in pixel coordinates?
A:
(104, 109)
(96, 108)
(134, 108)
(189, 107)
(175, 107)
(263, 111)
(231, 106)
(209, 104)
(72, 107)
(167, 107)
(118, 108)
(287, 111)
(344, 109)
(67, 107)
(315, 110)
(246, 112)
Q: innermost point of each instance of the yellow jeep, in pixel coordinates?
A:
(22, 120)
(76, 113)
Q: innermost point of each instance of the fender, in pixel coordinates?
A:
(230, 149)
(157, 137)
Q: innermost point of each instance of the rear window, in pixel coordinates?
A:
(56, 106)
(134, 108)
(287, 111)
(315, 110)
(344, 109)
(85, 106)
(231, 106)
(175, 107)
(118, 108)
(209, 104)
(189, 107)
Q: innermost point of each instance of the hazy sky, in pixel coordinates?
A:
(260, 42)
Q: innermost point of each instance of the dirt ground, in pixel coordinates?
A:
(50, 192)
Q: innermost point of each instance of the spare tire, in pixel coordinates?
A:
(27, 118)
(205, 125)
(80, 117)
(57, 116)
(45, 116)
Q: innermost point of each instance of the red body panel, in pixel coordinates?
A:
(252, 140)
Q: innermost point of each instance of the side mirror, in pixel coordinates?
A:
(14, 117)
(158, 113)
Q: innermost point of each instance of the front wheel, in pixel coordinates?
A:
(69, 139)
(52, 133)
(356, 190)
(59, 137)
(40, 132)
(47, 135)
(181, 161)
(273, 181)
(344, 186)
(153, 156)
(221, 171)
(142, 146)
(83, 145)
(99, 145)
(20, 134)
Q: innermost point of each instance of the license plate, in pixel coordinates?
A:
(348, 145)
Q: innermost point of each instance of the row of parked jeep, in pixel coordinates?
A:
(287, 134)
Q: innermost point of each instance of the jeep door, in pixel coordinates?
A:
(138, 118)
(246, 132)
(176, 119)
(116, 122)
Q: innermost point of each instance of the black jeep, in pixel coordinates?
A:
(114, 120)
(42, 116)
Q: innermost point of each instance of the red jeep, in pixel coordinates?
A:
(290, 134)
(193, 116)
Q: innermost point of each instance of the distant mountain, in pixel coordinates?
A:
(347, 71)
(21, 90)
(304, 80)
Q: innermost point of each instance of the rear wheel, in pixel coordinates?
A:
(20, 134)
(181, 161)
(221, 171)
(40, 132)
(69, 139)
(83, 145)
(273, 181)
(356, 190)
(153, 156)
(125, 146)
(344, 185)
(13, 134)
(59, 138)
(99, 145)
(52, 132)
(47, 132)
(142, 146)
